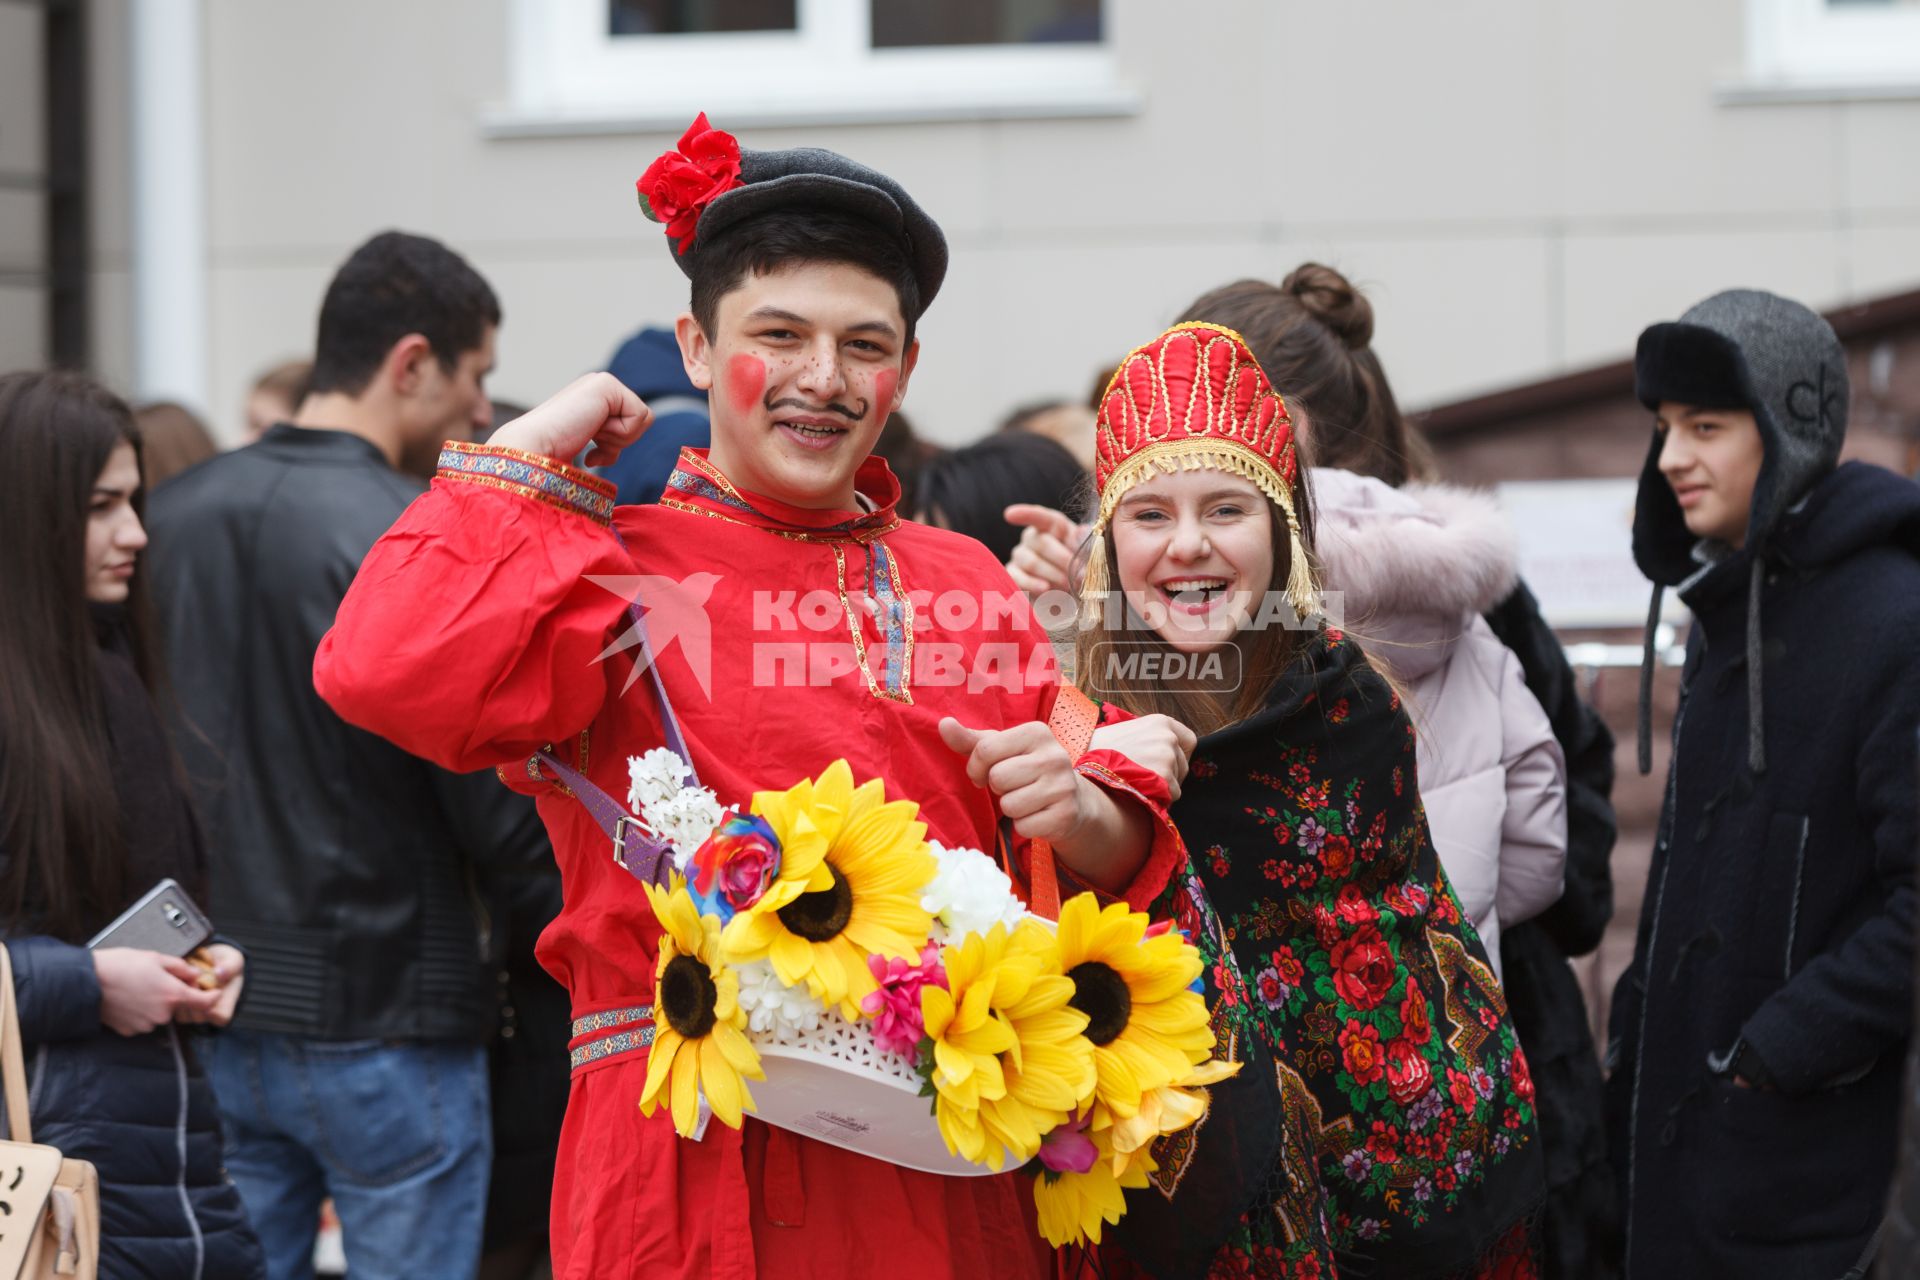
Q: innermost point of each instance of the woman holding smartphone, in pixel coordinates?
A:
(92, 815)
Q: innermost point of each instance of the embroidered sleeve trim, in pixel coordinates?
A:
(531, 476)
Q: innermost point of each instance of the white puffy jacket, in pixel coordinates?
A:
(1418, 567)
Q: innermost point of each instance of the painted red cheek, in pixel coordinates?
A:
(883, 384)
(746, 382)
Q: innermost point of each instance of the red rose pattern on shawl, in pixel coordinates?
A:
(1410, 1118)
(1365, 979)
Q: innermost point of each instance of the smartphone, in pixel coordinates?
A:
(165, 919)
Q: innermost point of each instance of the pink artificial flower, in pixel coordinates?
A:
(1067, 1148)
(895, 1005)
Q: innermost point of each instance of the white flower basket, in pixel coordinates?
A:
(836, 1085)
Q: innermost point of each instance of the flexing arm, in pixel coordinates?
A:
(470, 632)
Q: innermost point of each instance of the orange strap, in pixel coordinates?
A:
(1073, 721)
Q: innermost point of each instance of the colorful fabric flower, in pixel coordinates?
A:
(734, 865)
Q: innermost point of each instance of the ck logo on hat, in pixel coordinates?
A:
(1811, 403)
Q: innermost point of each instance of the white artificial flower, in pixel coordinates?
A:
(774, 1008)
(655, 778)
(684, 821)
(969, 893)
(669, 809)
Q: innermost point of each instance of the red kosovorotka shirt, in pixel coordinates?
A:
(473, 635)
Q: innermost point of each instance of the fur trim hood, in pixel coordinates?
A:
(1416, 565)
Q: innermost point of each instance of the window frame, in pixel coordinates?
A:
(568, 74)
(1813, 50)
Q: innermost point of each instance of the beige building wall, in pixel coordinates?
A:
(23, 168)
(1521, 184)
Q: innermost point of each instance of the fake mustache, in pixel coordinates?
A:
(846, 411)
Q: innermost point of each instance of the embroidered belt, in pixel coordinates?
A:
(613, 1032)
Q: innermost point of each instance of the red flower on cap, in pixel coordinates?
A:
(677, 188)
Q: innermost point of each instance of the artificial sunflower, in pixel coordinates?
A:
(700, 1043)
(1149, 1029)
(1009, 1060)
(852, 866)
(1074, 1206)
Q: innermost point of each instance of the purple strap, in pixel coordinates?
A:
(647, 857)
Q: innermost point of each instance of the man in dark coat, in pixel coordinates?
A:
(1759, 1035)
(350, 870)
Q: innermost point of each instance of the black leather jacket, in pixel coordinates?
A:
(346, 867)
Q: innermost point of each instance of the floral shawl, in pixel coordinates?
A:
(1362, 977)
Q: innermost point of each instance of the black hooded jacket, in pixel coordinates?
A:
(1775, 943)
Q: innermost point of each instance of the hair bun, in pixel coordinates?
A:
(1333, 301)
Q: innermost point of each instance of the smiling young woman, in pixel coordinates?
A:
(1363, 978)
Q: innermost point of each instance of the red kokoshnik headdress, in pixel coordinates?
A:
(1195, 398)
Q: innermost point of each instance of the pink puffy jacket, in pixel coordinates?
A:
(1418, 567)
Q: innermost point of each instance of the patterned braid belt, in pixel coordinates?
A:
(611, 1033)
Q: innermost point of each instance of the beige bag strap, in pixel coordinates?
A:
(13, 1065)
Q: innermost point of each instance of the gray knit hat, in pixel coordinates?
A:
(680, 189)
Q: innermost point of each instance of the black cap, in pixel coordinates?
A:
(813, 178)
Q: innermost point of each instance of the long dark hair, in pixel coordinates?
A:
(60, 822)
(1313, 334)
(1265, 652)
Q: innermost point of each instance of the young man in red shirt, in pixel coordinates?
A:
(787, 603)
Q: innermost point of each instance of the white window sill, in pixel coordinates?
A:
(1767, 93)
(773, 110)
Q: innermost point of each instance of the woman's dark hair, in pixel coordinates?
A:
(1265, 652)
(789, 236)
(970, 489)
(394, 285)
(60, 832)
(1312, 333)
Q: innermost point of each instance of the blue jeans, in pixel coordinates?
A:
(397, 1132)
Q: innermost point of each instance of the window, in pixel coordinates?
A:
(1831, 48)
(587, 65)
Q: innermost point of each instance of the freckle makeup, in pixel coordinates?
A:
(746, 382)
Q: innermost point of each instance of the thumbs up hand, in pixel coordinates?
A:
(1031, 776)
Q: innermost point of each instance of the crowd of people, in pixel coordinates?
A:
(350, 686)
